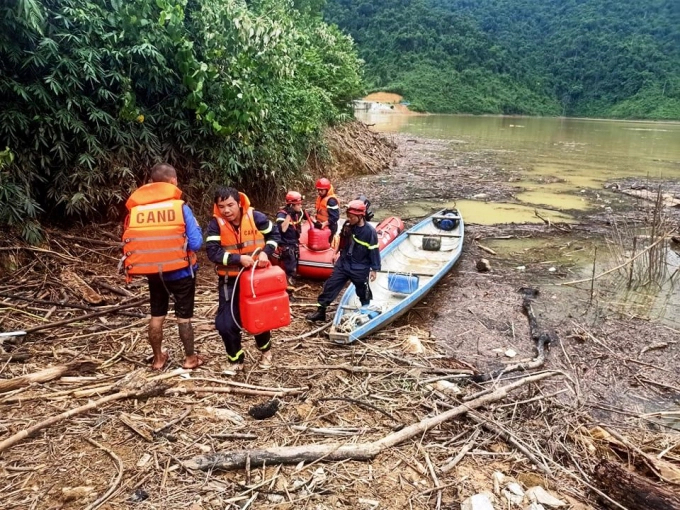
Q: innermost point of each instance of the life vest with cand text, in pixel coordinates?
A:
(154, 237)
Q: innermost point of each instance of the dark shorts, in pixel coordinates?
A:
(182, 290)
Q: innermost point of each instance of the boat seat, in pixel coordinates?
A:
(433, 234)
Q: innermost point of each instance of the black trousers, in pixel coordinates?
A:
(340, 276)
(289, 260)
(228, 327)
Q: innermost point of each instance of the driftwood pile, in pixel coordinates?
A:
(84, 423)
(353, 149)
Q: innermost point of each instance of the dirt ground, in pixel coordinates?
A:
(614, 369)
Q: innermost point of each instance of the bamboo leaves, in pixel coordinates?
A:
(220, 88)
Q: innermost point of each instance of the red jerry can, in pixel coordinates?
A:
(318, 239)
(263, 300)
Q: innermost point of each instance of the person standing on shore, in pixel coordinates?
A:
(357, 260)
(327, 207)
(160, 240)
(238, 237)
(289, 223)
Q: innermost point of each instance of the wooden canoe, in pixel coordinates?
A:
(408, 273)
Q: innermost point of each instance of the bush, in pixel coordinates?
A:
(93, 92)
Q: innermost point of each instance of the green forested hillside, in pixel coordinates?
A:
(549, 57)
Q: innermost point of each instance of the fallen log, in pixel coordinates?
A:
(49, 374)
(108, 310)
(339, 451)
(542, 339)
(105, 311)
(67, 304)
(634, 491)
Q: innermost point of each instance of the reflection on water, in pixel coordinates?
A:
(484, 213)
(658, 301)
(556, 156)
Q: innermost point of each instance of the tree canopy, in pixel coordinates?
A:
(546, 57)
(93, 92)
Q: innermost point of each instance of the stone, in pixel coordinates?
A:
(413, 345)
(478, 502)
(539, 495)
(447, 387)
(483, 265)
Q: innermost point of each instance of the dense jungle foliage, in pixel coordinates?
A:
(547, 57)
(93, 92)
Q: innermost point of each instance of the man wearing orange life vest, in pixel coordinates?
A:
(160, 240)
(327, 207)
(234, 234)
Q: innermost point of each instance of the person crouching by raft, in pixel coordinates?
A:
(327, 207)
(238, 237)
(160, 240)
(289, 223)
(357, 260)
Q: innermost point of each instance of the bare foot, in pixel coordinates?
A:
(193, 361)
(159, 364)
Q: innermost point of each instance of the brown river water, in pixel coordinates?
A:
(556, 157)
(557, 163)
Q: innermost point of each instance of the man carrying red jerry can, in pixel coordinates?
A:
(327, 208)
(289, 223)
(239, 239)
(357, 260)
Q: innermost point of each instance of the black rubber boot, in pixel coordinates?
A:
(318, 316)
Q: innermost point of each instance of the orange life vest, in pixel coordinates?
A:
(242, 242)
(322, 205)
(154, 238)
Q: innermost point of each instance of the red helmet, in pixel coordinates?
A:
(293, 197)
(323, 183)
(356, 207)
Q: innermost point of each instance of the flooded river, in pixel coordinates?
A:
(559, 167)
(555, 159)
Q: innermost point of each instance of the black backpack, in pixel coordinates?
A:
(367, 203)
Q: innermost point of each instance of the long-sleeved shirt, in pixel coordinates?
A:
(333, 208)
(216, 251)
(194, 243)
(360, 249)
(291, 237)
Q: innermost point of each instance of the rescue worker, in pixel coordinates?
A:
(289, 223)
(234, 235)
(327, 207)
(161, 240)
(357, 260)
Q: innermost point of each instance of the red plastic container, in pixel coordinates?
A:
(263, 299)
(319, 239)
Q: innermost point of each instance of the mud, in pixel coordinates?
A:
(477, 316)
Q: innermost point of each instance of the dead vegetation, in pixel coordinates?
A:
(419, 416)
(86, 424)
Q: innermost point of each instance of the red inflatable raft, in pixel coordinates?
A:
(318, 265)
